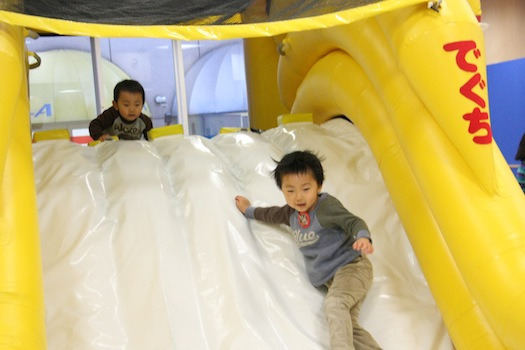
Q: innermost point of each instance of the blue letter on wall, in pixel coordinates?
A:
(46, 108)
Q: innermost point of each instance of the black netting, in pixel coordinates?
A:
(283, 10)
(178, 12)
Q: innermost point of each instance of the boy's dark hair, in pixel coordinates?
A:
(299, 162)
(129, 86)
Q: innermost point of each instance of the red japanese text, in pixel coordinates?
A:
(478, 119)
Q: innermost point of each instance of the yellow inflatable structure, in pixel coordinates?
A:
(412, 78)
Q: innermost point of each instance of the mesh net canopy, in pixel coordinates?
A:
(179, 12)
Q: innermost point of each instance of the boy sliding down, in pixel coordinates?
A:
(333, 241)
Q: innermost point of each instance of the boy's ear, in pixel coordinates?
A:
(115, 105)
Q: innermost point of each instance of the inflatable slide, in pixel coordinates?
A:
(411, 77)
(143, 247)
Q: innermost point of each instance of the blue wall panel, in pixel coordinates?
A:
(506, 84)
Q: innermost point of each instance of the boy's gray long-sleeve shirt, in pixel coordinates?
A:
(326, 244)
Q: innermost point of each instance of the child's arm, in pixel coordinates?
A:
(149, 125)
(332, 212)
(96, 129)
(242, 203)
(98, 125)
(271, 215)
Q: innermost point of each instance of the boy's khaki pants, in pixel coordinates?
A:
(346, 292)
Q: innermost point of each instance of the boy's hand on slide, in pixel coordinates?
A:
(364, 245)
(242, 203)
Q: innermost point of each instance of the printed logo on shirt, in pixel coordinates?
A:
(130, 130)
(304, 239)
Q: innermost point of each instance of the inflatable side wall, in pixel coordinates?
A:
(21, 288)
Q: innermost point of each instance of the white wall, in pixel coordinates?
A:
(506, 25)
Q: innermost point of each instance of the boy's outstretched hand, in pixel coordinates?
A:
(364, 245)
(242, 203)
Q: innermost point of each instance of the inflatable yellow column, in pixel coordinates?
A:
(265, 105)
(21, 287)
(351, 94)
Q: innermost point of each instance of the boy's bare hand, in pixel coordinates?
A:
(242, 203)
(364, 245)
(104, 137)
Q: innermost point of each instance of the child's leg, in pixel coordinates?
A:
(362, 339)
(346, 292)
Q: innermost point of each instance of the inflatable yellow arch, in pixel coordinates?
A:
(413, 79)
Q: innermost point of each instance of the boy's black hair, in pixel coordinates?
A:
(129, 86)
(299, 162)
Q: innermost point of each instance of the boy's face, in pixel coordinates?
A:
(129, 105)
(300, 190)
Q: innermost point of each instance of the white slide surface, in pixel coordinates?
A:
(143, 247)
